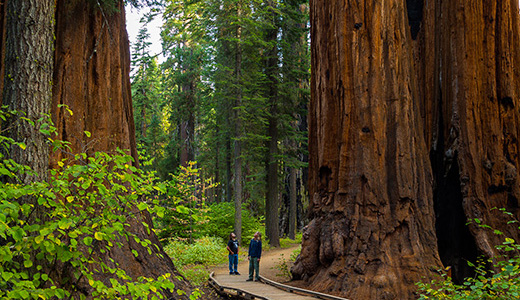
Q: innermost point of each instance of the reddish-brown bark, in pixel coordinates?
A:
(471, 95)
(413, 132)
(373, 231)
(91, 77)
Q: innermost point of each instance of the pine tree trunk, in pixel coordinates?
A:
(229, 164)
(372, 234)
(92, 77)
(188, 123)
(272, 202)
(216, 189)
(237, 147)
(28, 67)
(292, 203)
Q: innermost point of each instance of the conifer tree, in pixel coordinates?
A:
(147, 101)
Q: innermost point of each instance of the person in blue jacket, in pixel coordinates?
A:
(232, 247)
(255, 252)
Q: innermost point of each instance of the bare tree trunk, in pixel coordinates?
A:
(27, 82)
(372, 188)
(470, 99)
(292, 203)
(272, 201)
(372, 234)
(237, 156)
(216, 189)
(229, 164)
(188, 123)
(92, 77)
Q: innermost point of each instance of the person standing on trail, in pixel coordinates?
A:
(255, 252)
(232, 247)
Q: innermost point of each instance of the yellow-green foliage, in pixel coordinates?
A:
(87, 204)
(503, 284)
(193, 260)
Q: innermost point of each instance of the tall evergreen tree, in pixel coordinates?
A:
(271, 65)
(147, 101)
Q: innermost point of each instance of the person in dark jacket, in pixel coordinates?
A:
(255, 252)
(232, 247)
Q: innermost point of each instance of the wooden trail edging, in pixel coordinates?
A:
(292, 289)
(266, 290)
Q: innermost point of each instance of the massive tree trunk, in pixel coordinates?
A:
(372, 234)
(470, 99)
(26, 86)
(92, 77)
(373, 118)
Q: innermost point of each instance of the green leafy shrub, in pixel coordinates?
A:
(204, 251)
(500, 282)
(284, 265)
(66, 223)
(193, 260)
(287, 242)
(221, 222)
(188, 217)
(185, 205)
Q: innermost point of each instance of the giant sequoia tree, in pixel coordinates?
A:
(91, 76)
(413, 132)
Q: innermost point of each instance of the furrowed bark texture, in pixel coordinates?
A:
(413, 132)
(471, 98)
(26, 86)
(372, 234)
(92, 77)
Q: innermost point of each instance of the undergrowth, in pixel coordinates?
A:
(194, 260)
(284, 265)
(501, 282)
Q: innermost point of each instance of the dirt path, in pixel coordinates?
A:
(269, 264)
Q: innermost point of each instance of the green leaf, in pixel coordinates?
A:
(7, 275)
(87, 240)
(87, 133)
(28, 263)
(142, 206)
